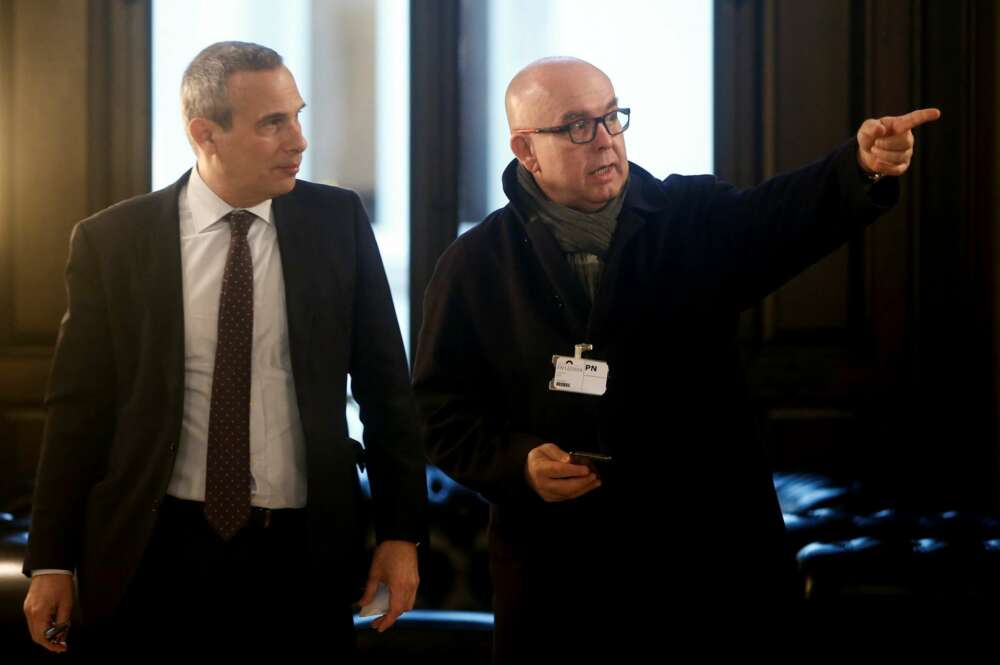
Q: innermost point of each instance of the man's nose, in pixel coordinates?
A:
(297, 141)
(602, 137)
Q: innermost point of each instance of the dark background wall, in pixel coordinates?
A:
(879, 363)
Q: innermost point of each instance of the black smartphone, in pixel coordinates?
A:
(595, 461)
(57, 633)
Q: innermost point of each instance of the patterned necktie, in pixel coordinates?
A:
(227, 481)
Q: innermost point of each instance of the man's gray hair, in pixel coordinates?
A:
(203, 88)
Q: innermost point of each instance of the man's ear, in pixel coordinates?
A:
(202, 132)
(525, 152)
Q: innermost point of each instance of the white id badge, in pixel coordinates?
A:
(576, 374)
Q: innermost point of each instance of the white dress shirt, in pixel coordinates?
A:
(277, 446)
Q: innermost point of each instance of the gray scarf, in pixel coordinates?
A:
(583, 237)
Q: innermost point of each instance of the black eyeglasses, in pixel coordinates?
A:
(584, 130)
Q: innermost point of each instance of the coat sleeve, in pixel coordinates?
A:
(761, 237)
(381, 384)
(80, 415)
(467, 434)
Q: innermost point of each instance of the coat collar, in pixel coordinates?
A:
(588, 324)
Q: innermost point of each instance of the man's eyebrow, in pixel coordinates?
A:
(277, 116)
(570, 116)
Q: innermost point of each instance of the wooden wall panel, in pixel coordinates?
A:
(995, 205)
(6, 163)
(882, 360)
(49, 145)
(811, 91)
(120, 130)
(74, 138)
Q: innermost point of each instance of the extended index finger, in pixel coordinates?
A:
(913, 119)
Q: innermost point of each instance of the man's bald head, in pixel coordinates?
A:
(548, 83)
(553, 93)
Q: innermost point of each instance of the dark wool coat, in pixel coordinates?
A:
(687, 512)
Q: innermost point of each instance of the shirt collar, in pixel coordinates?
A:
(207, 208)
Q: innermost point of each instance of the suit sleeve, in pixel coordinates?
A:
(468, 436)
(381, 384)
(763, 236)
(80, 415)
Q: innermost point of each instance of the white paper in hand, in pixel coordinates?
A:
(379, 604)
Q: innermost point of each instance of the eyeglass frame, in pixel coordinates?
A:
(565, 129)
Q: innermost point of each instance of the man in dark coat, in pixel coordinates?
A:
(196, 473)
(641, 281)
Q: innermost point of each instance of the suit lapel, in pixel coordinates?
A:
(301, 283)
(165, 300)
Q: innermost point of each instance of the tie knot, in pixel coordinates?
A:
(240, 221)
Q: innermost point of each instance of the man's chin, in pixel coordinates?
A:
(608, 192)
(282, 186)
